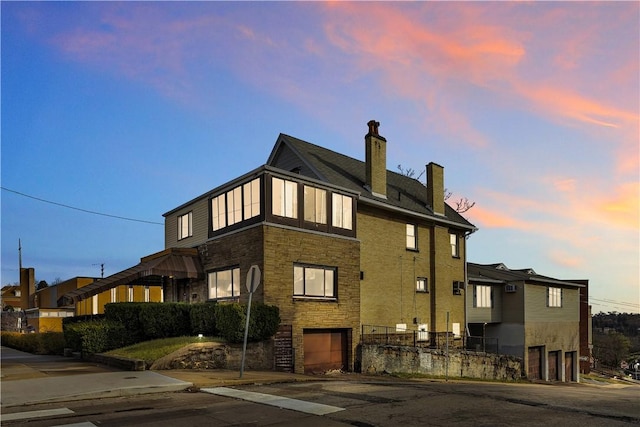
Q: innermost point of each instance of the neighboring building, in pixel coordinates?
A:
(341, 244)
(528, 315)
(10, 297)
(45, 308)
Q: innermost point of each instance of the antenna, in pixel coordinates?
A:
(20, 254)
(101, 269)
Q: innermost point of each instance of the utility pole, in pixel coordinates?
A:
(101, 269)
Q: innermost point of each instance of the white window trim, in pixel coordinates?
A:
(422, 289)
(184, 232)
(412, 236)
(454, 239)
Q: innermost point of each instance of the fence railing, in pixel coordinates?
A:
(389, 335)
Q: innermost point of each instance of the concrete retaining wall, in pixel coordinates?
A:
(377, 359)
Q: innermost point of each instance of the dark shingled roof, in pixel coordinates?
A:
(337, 169)
(500, 272)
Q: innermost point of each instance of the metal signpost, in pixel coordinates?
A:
(253, 281)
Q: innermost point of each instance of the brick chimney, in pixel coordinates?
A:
(435, 188)
(27, 287)
(376, 161)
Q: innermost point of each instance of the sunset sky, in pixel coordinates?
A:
(130, 109)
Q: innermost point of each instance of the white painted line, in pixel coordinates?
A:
(280, 402)
(84, 424)
(36, 414)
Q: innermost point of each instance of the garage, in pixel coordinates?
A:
(568, 366)
(535, 362)
(325, 350)
(554, 358)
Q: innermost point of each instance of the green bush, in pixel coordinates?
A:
(231, 319)
(263, 322)
(164, 320)
(203, 319)
(95, 336)
(43, 343)
(128, 314)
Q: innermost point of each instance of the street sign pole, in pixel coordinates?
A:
(253, 281)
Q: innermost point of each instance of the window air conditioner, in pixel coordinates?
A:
(458, 287)
(510, 288)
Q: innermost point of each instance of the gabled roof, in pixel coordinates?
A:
(320, 163)
(502, 274)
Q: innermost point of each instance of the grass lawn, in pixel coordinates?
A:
(149, 351)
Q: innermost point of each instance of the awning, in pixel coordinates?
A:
(174, 263)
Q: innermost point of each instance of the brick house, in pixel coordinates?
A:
(341, 243)
(525, 314)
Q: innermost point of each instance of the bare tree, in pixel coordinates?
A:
(462, 205)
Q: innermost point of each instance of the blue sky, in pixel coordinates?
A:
(130, 109)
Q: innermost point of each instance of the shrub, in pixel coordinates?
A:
(263, 322)
(231, 319)
(95, 336)
(128, 314)
(43, 343)
(164, 320)
(203, 319)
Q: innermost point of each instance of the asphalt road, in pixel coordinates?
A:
(356, 403)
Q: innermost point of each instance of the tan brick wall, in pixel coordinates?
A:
(283, 248)
(390, 270)
(447, 270)
(275, 250)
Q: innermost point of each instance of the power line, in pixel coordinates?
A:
(617, 303)
(80, 209)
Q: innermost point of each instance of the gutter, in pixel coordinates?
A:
(470, 228)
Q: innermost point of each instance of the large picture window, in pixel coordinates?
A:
(315, 205)
(236, 205)
(314, 281)
(224, 283)
(482, 296)
(342, 211)
(184, 226)
(285, 198)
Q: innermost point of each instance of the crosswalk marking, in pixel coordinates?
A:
(36, 414)
(280, 402)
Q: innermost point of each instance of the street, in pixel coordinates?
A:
(352, 402)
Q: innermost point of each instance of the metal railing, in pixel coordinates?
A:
(390, 335)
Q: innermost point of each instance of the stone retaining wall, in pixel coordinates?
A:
(377, 359)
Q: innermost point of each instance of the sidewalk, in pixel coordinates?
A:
(28, 379)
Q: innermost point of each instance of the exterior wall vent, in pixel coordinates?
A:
(510, 288)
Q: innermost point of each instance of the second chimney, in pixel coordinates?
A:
(376, 160)
(435, 188)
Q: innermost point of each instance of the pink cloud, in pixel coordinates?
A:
(565, 258)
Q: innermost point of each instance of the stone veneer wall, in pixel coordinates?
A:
(380, 359)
